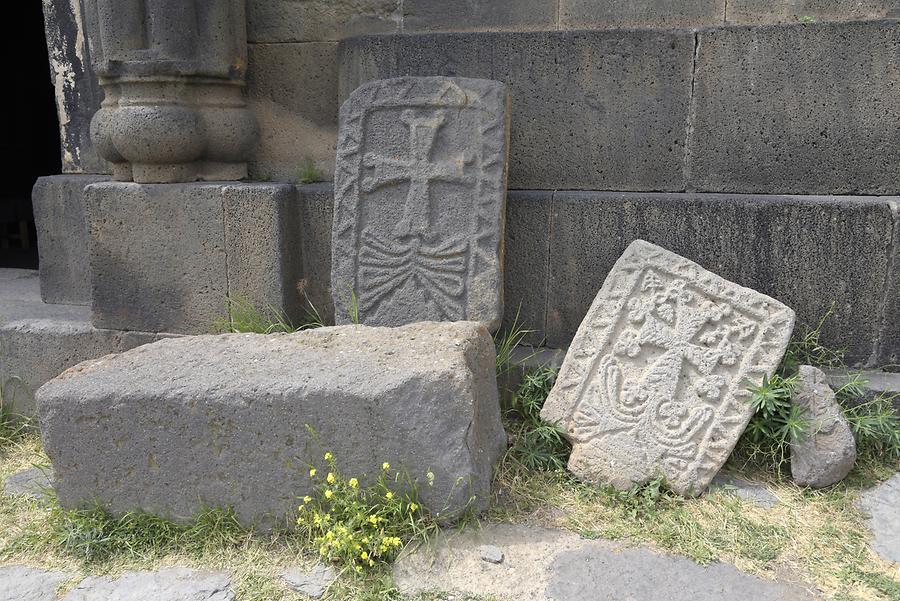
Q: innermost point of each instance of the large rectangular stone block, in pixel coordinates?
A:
(166, 257)
(281, 21)
(800, 109)
(316, 214)
(292, 90)
(237, 419)
(60, 217)
(590, 110)
(794, 11)
(613, 14)
(479, 15)
(807, 252)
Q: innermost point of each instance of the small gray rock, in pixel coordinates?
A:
(882, 504)
(168, 584)
(491, 554)
(21, 583)
(748, 491)
(824, 454)
(312, 583)
(34, 483)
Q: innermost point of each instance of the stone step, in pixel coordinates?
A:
(38, 340)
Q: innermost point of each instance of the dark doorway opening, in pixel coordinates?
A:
(30, 131)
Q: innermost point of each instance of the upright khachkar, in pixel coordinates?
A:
(172, 72)
(420, 193)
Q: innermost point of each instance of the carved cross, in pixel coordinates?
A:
(676, 342)
(418, 169)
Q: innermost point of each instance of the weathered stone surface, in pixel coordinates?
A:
(491, 553)
(665, 14)
(878, 383)
(752, 492)
(654, 380)
(34, 483)
(611, 115)
(793, 11)
(420, 196)
(826, 453)
(761, 242)
(169, 584)
(312, 583)
(526, 265)
(796, 109)
(542, 564)
(165, 258)
(319, 20)
(227, 426)
(292, 89)
(60, 217)
(75, 83)
(316, 215)
(479, 15)
(21, 583)
(882, 503)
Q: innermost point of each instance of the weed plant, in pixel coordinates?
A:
(308, 172)
(246, 317)
(535, 444)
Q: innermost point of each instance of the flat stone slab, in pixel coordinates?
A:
(224, 421)
(22, 583)
(168, 584)
(752, 492)
(882, 504)
(541, 564)
(34, 483)
(655, 379)
(419, 205)
(826, 452)
(312, 583)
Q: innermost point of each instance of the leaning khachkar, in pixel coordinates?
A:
(172, 72)
(655, 380)
(420, 191)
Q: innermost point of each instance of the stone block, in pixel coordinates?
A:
(826, 452)
(526, 266)
(281, 21)
(799, 109)
(316, 214)
(625, 14)
(808, 252)
(654, 381)
(794, 11)
(887, 354)
(229, 424)
(75, 84)
(165, 258)
(36, 350)
(479, 15)
(172, 583)
(60, 217)
(420, 201)
(22, 583)
(292, 89)
(881, 503)
(611, 116)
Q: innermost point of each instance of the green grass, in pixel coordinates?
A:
(245, 317)
(308, 172)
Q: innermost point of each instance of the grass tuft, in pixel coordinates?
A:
(535, 444)
(246, 317)
(308, 172)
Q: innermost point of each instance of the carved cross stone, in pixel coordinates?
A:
(654, 382)
(420, 189)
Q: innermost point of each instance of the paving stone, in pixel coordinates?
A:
(826, 453)
(479, 15)
(420, 196)
(613, 14)
(591, 110)
(60, 218)
(541, 564)
(748, 491)
(312, 583)
(34, 483)
(882, 504)
(796, 109)
(491, 553)
(169, 584)
(293, 91)
(654, 379)
(222, 421)
(218, 243)
(21, 583)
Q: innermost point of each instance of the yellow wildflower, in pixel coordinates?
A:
(312, 473)
(330, 478)
(389, 495)
(353, 482)
(385, 466)
(328, 456)
(413, 507)
(364, 556)
(373, 519)
(371, 562)
(328, 494)
(307, 499)
(358, 569)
